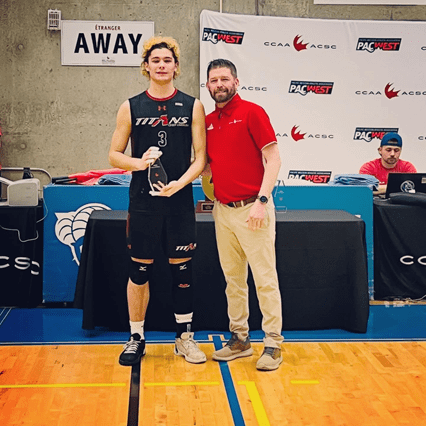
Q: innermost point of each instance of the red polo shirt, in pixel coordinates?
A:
(236, 135)
(376, 169)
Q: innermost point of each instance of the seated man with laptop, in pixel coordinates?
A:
(389, 161)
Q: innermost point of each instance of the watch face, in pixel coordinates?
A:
(263, 199)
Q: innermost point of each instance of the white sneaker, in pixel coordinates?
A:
(187, 347)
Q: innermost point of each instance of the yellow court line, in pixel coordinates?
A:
(304, 382)
(259, 410)
(66, 385)
(182, 384)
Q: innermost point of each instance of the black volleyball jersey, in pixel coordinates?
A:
(165, 123)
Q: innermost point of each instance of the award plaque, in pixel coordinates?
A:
(156, 174)
(206, 206)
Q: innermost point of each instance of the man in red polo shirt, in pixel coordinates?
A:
(389, 162)
(244, 159)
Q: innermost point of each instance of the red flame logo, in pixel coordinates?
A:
(391, 93)
(297, 136)
(299, 45)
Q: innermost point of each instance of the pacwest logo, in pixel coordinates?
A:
(372, 44)
(312, 176)
(297, 135)
(305, 87)
(299, 45)
(229, 37)
(369, 133)
(164, 120)
(390, 92)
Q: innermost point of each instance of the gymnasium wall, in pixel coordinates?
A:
(61, 118)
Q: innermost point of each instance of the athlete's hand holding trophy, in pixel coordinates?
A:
(157, 176)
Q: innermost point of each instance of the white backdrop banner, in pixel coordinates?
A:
(331, 88)
(104, 43)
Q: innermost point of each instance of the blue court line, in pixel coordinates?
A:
(234, 404)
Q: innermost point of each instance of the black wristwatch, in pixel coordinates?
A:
(263, 199)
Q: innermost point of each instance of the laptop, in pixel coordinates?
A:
(406, 182)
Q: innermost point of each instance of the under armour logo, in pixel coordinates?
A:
(182, 267)
(161, 107)
(142, 268)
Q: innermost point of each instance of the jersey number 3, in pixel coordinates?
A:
(162, 138)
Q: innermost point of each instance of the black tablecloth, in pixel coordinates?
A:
(399, 250)
(21, 256)
(321, 264)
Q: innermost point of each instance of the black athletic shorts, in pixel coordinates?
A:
(150, 235)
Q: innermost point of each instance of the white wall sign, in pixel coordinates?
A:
(103, 43)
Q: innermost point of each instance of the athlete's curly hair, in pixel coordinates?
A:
(158, 42)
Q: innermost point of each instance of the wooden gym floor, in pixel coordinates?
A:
(53, 373)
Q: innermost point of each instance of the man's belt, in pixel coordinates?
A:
(242, 203)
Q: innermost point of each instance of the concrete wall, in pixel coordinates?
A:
(61, 118)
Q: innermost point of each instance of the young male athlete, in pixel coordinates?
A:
(161, 121)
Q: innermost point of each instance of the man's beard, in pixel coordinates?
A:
(223, 95)
(390, 160)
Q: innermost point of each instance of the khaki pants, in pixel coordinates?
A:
(238, 246)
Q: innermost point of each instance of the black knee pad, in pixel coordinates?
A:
(182, 287)
(140, 273)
